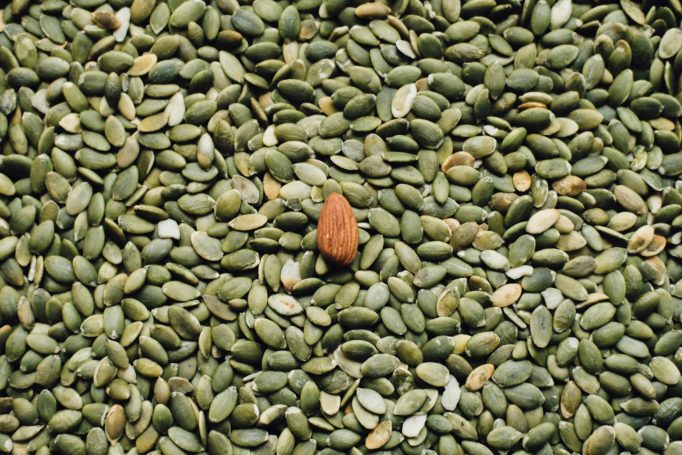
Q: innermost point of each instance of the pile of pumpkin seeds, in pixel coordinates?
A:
(514, 168)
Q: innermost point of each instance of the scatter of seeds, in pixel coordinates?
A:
(514, 170)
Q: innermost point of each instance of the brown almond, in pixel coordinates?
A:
(337, 230)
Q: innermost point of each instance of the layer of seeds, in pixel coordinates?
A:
(514, 170)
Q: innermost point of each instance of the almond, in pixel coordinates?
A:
(337, 230)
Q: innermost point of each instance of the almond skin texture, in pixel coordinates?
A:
(337, 230)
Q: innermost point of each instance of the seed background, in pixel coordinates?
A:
(513, 169)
